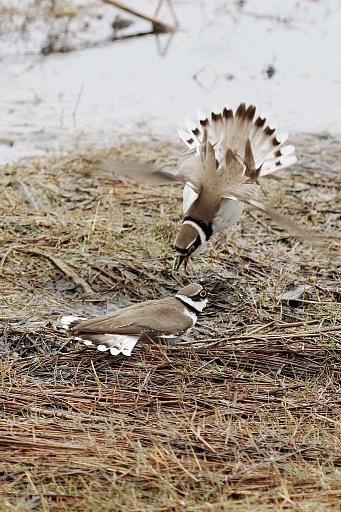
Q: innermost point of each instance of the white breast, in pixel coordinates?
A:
(229, 212)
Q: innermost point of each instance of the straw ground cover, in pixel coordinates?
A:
(245, 417)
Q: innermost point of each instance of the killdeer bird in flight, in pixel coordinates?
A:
(119, 332)
(227, 154)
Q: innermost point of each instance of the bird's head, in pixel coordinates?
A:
(191, 240)
(194, 295)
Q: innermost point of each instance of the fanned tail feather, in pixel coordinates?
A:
(114, 343)
(227, 130)
(283, 157)
(242, 129)
(69, 321)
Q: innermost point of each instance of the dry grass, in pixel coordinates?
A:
(247, 417)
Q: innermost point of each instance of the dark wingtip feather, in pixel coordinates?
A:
(204, 122)
(196, 132)
(227, 113)
(269, 131)
(216, 117)
(260, 121)
(250, 112)
(241, 110)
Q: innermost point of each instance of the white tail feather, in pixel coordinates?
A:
(228, 130)
(67, 320)
(276, 165)
(115, 343)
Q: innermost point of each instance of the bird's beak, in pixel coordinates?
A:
(178, 261)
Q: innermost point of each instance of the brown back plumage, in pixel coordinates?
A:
(165, 316)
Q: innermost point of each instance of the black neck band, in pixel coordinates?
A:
(207, 228)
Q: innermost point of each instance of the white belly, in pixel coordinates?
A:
(229, 212)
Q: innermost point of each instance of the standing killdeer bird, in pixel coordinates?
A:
(120, 331)
(227, 154)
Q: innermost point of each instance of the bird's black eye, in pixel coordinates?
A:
(192, 248)
(203, 293)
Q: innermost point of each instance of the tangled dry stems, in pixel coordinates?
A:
(245, 417)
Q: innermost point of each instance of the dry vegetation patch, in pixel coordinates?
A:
(245, 417)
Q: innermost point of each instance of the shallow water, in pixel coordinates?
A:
(282, 56)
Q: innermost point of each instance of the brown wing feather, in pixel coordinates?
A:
(246, 192)
(192, 171)
(160, 315)
(226, 182)
(133, 170)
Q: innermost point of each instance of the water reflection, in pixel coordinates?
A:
(122, 80)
